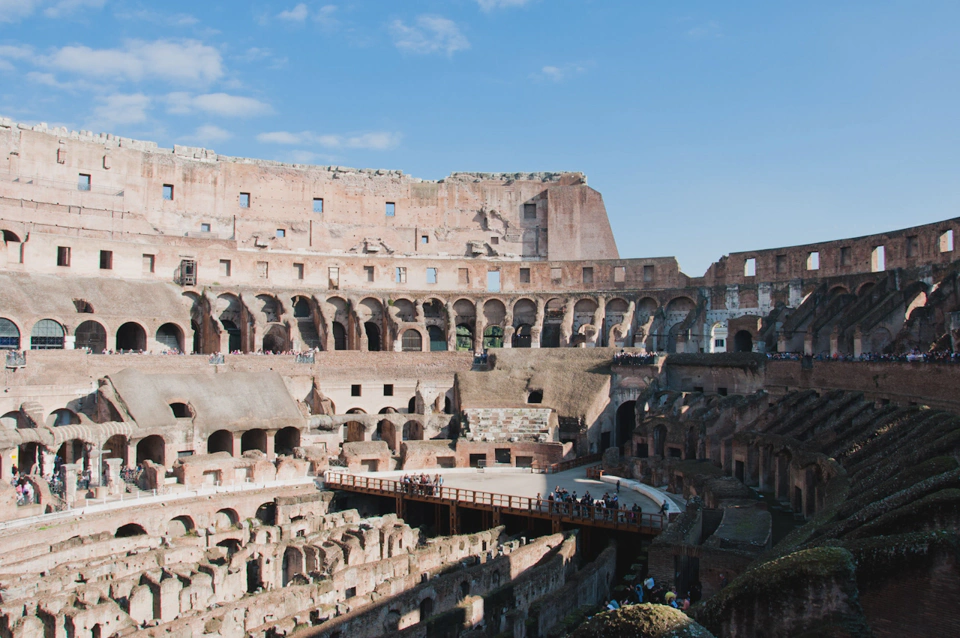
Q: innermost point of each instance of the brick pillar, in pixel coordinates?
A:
(808, 344)
(112, 478)
(271, 445)
(68, 473)
(46, 466)
(835, 341)
(858, 342)
(93, 459)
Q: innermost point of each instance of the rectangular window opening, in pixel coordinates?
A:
(588, 275)
(494, 241)
(946, 242)
(878, 259)
(333, 278)
(204, 228)
(750, 267)
(846, 256)
(388, 389)
(149, 263)
(63, 255)
(263, 270)
(431, 275)
(281, 233)
(424, 239)
(368, 271)
(648, 273)
(400, 275)
(463, 275)
(913, 246)
(813, 260)
(529, 211)
(524, 275)
(244, 200)
(493, 281)
(556, 274)
(355, 390)
(106, 260)
(781, 264)
(391, 209)
(224, 267)
(318, 205)
(619, 274)
(168, 192)
(298, 271)
(84, 182)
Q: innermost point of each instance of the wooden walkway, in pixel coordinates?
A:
(498, 504)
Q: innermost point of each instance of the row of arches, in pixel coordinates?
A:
(48, 334)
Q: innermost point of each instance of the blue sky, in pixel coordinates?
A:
(709, 127)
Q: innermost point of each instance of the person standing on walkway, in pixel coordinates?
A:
(618, 486)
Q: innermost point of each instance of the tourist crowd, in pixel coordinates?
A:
(608, 507)
(624, 358)
(421, 484)
(914, 356)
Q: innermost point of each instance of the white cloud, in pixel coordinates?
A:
(325, 16)
(6, 66)
(210, 134)
(377, 141)
(431, 34)
(15, 52)
(705, 31)
(13, 10)
(120, 109)
(490, 5)
(183, 61)
(67, 7)
(558, 73)
(297, 14)
(145, 15)
(222, 104)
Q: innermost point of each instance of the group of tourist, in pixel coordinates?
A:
(562, 501)
(649, 592)
(26, 495)
(421, 484)
(624, 358)
(914, 356)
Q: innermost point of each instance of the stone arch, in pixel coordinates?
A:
(615, 312)
(10, 420)
(61, 417)
(151, 448)
(552, 331)
(584, 312)
(232, 317)
(9, 335)
(269, 308)
(293, 564)
(170, 336)
(286, 441)
(372, 331)
(838, 290)
(181, 410)
(220, 441)
(47, 334)
(131, 336)
(464, 337)
(743, 341)
(412, 341)
(880, 338)
(91, 335)
(225, 519)
(426, 608)
(406, 310)
(267, 513)
(718, 337)
(494, 312)
(302, 309)
(116, 448)
(865, 288)
(129, 530)
(180, 526)
(253, 439)
(492, 337)
(412, 431)
(275, 338)
(626, 422)
(339, 336)
(523, 336)
(438, 339)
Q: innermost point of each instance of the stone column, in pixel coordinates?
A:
(112, 478)
(808, 343)
(271, 444)
(93, 458)
(237, 436)
(835, 341)
(68, 474)
(858, 342)
(46, 465)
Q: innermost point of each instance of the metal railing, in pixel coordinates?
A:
(16, 359)
(306, 357)
(525, 504)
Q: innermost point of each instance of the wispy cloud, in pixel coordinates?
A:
(222, 104)
(14, 10)
(209, 134)
(378, 141)
(705, 31)
(490, 5)
(146, 15)
(297, 14)
(430, 34)
(120, 109)
(69, 7)
(178, 61)
(551, 73)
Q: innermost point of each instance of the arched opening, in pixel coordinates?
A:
(412, 431)
(535, 396)
(372, 331)
(9, 335)
(115, 448)
(292, 564)
(406, 311)
(584, 314)
(339, 336)
(412, 405)
(626, 421)
(234, 341)
(91, 336)
(131, 336)
(523, 337)
(220, 441)
(743, 341)
(151, 449)
(676, 313)
(170, 337)
(197, 338)
(128, 530)
(690, 444)
(47, 334)
(181, 411)
(255, 439)
(412, 341)
(10, 420)
(447, 405)
(286, 441)
(62, 417)
(29, 458)
(552, 319)
(180, 526)
(464, 338)
(438, 340)
(391, 623)
(275, 339)
(492, 337)
(426, 608)
(72, 451)
(225, 519)
(267, 513)
(301, 308)
(464, 589)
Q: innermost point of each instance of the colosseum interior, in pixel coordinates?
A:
(222, 373)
